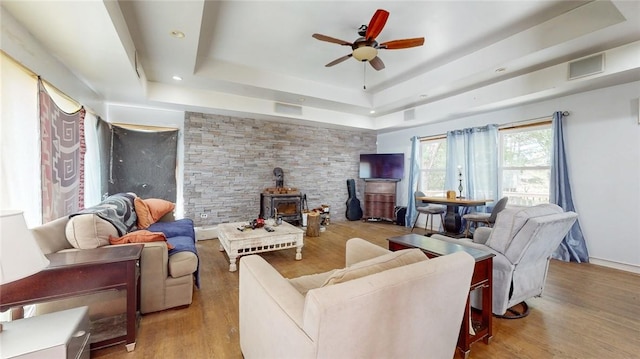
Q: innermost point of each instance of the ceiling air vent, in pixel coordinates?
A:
(288, 109)
(410, 114)
(586, 67)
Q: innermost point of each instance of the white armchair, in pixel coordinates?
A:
(382, 305)
(522, 240)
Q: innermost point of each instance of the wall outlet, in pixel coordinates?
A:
(203, 215)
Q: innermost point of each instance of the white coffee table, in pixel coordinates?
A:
(239, 243)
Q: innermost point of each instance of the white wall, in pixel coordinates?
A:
(602, 139)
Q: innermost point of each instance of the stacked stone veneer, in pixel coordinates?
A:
(228, 161)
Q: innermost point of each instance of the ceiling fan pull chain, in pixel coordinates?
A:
(364, 76)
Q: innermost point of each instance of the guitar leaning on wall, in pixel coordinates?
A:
(354, 211)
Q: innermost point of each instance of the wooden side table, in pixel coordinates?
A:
(482, 279)
(81, 272)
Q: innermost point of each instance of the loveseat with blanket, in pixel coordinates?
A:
(167, 275)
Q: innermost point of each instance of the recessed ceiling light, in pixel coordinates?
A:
(372, 112)
(501, 69)
(177, 34)
(177, 78)
(424, 96)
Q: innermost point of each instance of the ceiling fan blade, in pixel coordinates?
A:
(376, 24)
(330, 39)
(337, 61)
(402, 44)
(377, 63)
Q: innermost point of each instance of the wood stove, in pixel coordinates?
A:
(283, 202)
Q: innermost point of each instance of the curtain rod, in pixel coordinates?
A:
(523, 123)
(530, 122)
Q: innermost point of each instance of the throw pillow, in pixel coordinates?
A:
(141, 236)
(150, 210)
(87, 231)
(376, 265)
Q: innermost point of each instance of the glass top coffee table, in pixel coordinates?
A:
(250, 241)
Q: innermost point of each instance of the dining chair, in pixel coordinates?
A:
(487, 218)
(430, 210)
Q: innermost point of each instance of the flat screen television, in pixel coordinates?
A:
(382, 166)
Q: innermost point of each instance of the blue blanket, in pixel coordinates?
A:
(181, 235)
(179, 227)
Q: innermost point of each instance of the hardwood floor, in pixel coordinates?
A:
(587, 311)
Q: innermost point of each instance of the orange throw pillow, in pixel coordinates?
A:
(150, 210)
(141, 236)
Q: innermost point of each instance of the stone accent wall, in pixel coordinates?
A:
(228, 161)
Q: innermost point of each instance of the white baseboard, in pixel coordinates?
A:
(615, 265)
(208, 232)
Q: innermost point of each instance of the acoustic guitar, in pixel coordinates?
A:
(354, 211)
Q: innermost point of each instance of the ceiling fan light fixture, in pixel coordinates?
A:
(365, 48)
(365, 53)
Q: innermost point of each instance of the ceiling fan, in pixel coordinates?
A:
(365, 48)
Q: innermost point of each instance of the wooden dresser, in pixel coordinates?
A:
(379, 199)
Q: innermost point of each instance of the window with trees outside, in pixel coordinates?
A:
(524, 164)
(433, 163)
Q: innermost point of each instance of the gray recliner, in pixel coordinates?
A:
(522, 240)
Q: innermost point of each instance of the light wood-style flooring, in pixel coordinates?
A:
(587, 311)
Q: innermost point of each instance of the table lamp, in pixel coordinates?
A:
(20, 255)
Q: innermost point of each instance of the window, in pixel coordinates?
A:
(433, 163)
(525, 164)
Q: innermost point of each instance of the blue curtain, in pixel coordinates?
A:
(414, 174)
(474, 153)
(573, 247)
